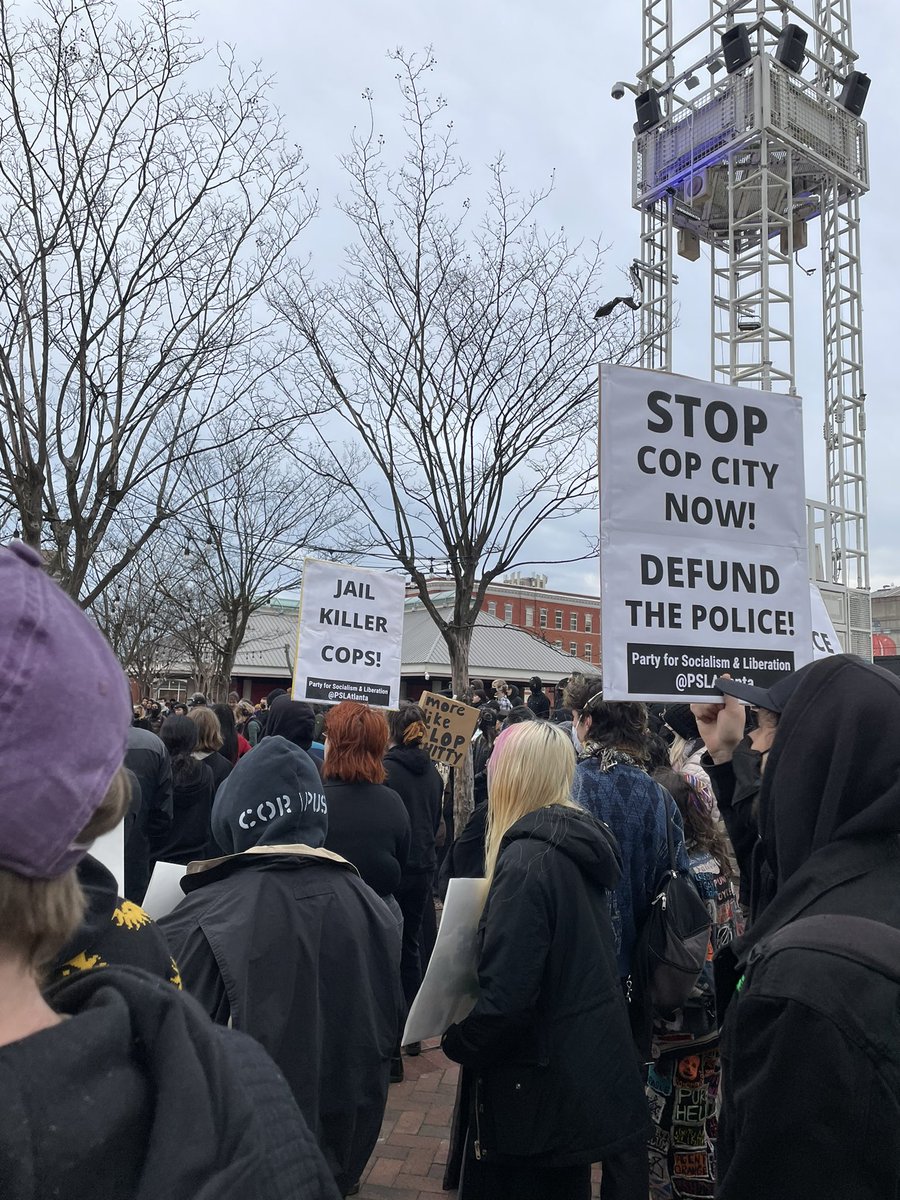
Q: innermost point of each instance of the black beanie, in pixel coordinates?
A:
(273, 797)
(679, 718)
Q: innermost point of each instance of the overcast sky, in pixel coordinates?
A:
(533, 80)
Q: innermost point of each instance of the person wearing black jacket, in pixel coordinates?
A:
(148, 759)
(537, 701)
(555, 1081)
(811, 1041)
(416, 780)
(283, 940)
(193, 789)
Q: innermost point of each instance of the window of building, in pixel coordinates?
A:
(529, 615)
(588, 622)
(558, 644)
(543, 618)
(172, 689)
(573, 647)
(507, 612)
(492, 608)
(573, 621)
(587, 651)
(559, 618)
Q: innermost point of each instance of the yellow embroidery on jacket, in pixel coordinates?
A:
(130, 916)
(83, 962)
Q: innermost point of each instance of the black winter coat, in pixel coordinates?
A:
(137, 1097)
(298, 952)
(417, 781)
(810, 1058)
(556, 1072)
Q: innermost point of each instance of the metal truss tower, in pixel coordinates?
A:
(746, 165)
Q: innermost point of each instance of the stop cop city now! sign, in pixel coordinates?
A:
(703, 536)
(350, 634)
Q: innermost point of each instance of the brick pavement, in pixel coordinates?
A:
(408, 1163)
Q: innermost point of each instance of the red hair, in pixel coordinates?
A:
(357, 739)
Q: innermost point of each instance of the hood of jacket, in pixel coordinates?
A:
(293, 720)
(589, 843)
(99, 1104)
(274, 796)
(102, 895)
(833, 772)
(414, 759)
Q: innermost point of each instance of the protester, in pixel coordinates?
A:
(686, 1045)
(537, 700)
(811, 1039)
(267, 703)
(282, 939)
(414, 777)
(687, 748)
(482, 747)
(556, 1084)
(296, 721)
(102, 1074)
(209, 744)
(734, 761)
(611, 782)
(197, 700)
(147, 758)
(233, 745)
(179, 710)
(368, 824)
(193, 789)
(517, 714)
(248, 724)
(501, 695)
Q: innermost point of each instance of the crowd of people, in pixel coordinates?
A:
(244, 1045)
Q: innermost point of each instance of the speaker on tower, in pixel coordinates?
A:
(736, 48)
(648, 110)
(854, 92)
(791, 48)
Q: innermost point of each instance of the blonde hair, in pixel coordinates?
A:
(38, 916)
(209, 731)
(531, 767)
(500, 685)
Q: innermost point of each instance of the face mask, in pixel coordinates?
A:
(576, 741)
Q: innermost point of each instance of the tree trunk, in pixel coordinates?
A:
(458, 643)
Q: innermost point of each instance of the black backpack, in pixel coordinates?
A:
(671, 949)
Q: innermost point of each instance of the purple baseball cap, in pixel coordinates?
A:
(64, 719)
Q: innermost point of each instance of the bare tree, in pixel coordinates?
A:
(461, 353)
(140, 220)
(254, 518)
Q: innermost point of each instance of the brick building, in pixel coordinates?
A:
(568, 621)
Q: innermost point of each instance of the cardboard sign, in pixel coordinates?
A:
(703, 536)
(350, 635)
(450, 727)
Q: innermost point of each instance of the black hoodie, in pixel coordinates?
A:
(549, 1040)
(137, 1096)
(417, 781)
(809, 1050)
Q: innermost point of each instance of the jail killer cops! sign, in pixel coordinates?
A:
(702, 533)
(350, 635)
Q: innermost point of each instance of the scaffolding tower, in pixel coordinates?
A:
(747, 165)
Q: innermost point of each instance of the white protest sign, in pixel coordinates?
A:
(350, 634)
(450, 987)
(825, 640)
(703, 536)
(109, 849)
(164, 890)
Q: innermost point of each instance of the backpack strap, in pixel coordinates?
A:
(857, 939)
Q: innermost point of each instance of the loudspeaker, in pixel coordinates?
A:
(791, 47)
(647, 108)
(854, 92)
(736, 48)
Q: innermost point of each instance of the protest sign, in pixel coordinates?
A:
(164, 890)
(109, 849)
(450, 727)
(703, 536)
(824, 635)
(350, 634)
(450, 987)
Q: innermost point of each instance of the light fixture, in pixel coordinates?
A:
(854, 92)
(736, 49)
(791, 48)
(647, 110)
(714, 65)
(691, 82)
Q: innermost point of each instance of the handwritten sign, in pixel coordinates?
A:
(450, 727)
(350, 634)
